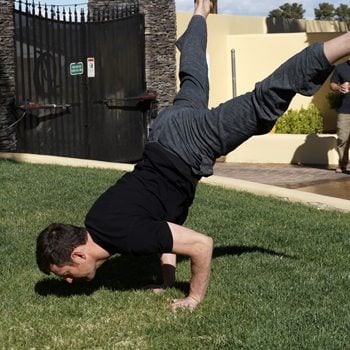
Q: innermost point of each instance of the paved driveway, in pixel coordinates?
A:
(313, 179)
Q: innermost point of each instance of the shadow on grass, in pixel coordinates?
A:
(239, 250)
(119, 273)
(124, 273)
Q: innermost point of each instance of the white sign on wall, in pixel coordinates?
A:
(91, 67)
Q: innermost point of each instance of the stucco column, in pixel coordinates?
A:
(160, 37)
(7, 76)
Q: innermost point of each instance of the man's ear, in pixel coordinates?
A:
(78, 255)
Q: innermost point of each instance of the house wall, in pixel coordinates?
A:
(315, 149)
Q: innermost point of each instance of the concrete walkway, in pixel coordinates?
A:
(321, 180)
(320, 187)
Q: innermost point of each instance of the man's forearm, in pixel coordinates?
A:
(199, 248)
(200, 271)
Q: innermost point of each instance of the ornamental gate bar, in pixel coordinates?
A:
(80, 82)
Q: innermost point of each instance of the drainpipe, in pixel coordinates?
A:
(233, 68)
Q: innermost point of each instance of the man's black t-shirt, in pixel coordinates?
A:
(131, 216)
(341, 75)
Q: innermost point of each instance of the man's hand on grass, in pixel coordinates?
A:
(186, 303)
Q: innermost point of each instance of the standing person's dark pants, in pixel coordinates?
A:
(199, 135)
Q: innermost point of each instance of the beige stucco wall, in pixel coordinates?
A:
(317, 149)
(257, 54)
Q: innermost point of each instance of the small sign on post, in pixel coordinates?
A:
(76, 68)
(91, 67)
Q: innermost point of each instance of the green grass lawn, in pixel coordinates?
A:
(280, 274)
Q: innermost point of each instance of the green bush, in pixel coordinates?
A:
(334, 100)
(305, 121)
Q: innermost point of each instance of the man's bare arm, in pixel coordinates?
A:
(199, 248)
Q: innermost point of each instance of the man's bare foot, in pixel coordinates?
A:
(203, 7)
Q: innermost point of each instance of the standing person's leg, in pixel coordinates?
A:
(343, 140)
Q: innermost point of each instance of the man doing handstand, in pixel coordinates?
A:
(144, 211)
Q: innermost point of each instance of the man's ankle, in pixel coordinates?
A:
(203, 8)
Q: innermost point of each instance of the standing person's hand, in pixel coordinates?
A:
(344, 88)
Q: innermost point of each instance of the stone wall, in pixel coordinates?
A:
(7, 76)
(160, 37)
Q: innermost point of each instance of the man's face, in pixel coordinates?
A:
(80, 268)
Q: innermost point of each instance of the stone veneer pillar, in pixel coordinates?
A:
(160, 37)
(7, 76)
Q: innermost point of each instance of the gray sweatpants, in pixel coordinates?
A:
(198, 135)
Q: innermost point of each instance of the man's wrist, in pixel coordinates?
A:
(196, 299)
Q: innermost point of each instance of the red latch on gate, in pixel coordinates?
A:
(148, 96)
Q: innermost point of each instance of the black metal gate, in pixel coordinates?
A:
(80, 82)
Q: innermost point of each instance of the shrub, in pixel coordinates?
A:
(334, 100)
(305, 121)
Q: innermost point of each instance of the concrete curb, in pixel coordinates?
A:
(65, 161)
(316, 200)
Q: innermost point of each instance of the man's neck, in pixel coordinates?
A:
(96, 251)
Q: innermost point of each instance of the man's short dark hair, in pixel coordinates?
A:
(56, 243)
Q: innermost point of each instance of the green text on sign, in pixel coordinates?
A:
(76, 68)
